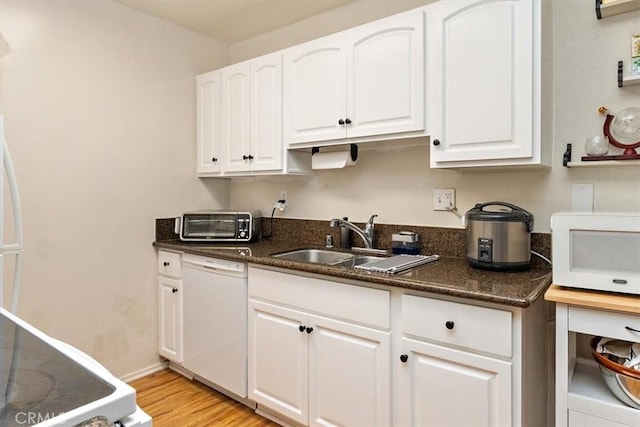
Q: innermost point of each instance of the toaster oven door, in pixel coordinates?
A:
(209, 227)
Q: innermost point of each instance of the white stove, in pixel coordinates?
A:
(46, 382)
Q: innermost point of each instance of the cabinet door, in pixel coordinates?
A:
(349, 375)
(442, 387)
(385, 76)
(314, 90)
(480, 80)
(208, 123)
(236, 117)
(266, 113)
(170, 319)
(278, 354)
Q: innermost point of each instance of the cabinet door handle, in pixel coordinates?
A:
(166, 263)
(301, 328)
(629, 328)
(404, 358)
(309, 329)
(449, 324)
(436, 142)
(245, 157)
(174, 290)
(340, 122)
(214, 159)
(348, 121)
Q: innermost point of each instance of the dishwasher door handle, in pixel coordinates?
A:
(216, 266)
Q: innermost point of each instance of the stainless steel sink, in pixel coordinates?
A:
(318, 256)
(359, 259)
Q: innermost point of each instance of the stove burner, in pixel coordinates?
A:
(25, 388)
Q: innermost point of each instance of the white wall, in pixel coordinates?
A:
(99, 106)
(398, 185)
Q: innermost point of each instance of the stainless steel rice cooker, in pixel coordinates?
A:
(498, 236)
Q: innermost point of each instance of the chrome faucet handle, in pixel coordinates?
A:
(370, 222)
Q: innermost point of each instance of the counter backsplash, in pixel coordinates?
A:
(448, 242)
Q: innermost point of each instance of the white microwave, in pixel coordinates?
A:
(597, 250)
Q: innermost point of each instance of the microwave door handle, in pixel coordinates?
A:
(177, 225)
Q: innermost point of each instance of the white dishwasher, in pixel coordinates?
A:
(215, 321)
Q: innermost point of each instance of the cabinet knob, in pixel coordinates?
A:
(348, 121)
(214, 159)
(309, 329)
(449, 324)
(166, 263)
(301, 328)
(436, 142)
(404, 358)
(245, 157)
(340, 122)
(174, 290)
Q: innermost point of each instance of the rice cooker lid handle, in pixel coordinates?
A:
(522, 215)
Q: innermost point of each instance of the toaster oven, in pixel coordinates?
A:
(597, 250)
(219, 225)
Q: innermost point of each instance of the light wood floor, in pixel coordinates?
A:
(173, 400)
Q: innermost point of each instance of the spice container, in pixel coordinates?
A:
(405, 242)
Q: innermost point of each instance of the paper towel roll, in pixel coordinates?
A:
(332, 160)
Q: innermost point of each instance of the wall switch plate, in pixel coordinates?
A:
(444, 199)
(582, 197)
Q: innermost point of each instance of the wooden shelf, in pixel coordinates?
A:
(568, 154)
(594, 299)
(606, 8)
(604, 163)
(629, 80)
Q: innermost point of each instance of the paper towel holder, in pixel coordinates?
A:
(353, 148)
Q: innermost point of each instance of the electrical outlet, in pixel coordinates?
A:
(283, 196)
(444, 199)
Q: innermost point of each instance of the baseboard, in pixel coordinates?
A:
(144, 372)
(282, 421)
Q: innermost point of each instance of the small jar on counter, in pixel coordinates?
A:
(405, 242)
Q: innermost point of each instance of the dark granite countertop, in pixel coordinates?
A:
(449, 276)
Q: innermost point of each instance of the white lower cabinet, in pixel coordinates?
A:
(278, 355)
(170, 338)
(314, 369)
(436, 382)
(325, 353)
(464, 365)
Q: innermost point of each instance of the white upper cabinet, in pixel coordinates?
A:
(266, 113)
(315, 94)
(240, 121)
(236, 117)
(252, 115)
(361, 83)
(208, 123)
(485, 82)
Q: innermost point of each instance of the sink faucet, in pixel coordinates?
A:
(366, 234)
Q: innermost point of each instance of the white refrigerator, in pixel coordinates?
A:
(10, 249)
(44, 381)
